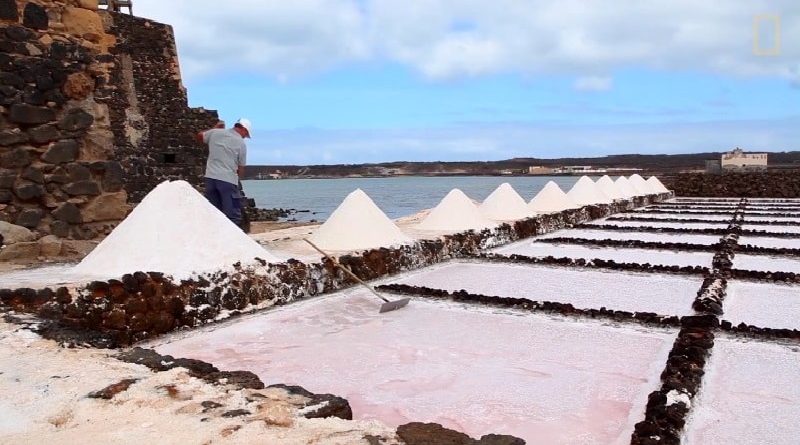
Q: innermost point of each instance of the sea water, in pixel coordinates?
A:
(397, 197)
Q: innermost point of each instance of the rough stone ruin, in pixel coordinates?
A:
(93, 115)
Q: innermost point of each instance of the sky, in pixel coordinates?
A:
(354, 81)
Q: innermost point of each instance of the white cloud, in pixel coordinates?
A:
(286, 39)
(593, 83)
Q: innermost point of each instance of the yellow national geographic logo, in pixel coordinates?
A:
(767, 25)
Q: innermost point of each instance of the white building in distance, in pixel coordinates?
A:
(739, 160)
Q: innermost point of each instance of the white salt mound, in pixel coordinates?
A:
(358, 224)
(586, 192)
(505, 204)
(640, 185)
(551, 199)
(625, 188)
(176, 231)
(455, 213)
(656, 185)
(609, 188)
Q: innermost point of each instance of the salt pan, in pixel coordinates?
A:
(505, 204)
(176, 231)
(640, 185)
(358, 224)
(586, 192)
(455, 213)
(551, 199)
(607, 186)
(656, 185)
(625, 188)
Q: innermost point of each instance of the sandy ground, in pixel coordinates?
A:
(43, 400)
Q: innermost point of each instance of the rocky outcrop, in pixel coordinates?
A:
(417, 433)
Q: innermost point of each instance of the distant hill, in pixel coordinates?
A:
(652, 163)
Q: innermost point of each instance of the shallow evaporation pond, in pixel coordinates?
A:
(756, 219)
(764, 305)
(633, 235)
(772, 228)
(583, 288)
(641, 256)
(767, 263)
(665, 224)
(765, 241)
(545, 379)
(636, 216)
(750, 395)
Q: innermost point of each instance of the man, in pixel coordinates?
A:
(227, 156)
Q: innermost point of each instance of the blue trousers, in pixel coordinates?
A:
(225, 197)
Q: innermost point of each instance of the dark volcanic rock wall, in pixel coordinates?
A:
(153, 125)
(783, 184)
(92, 116)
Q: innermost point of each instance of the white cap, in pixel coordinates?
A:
(244, 122)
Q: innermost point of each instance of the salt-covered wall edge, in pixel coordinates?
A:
(143, 305)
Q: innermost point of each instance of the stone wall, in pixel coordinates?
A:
(92, 116)
(780, 184)
(146, 304)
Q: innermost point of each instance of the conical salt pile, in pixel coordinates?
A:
(625, 188)
(609, 188)
(505, 204)
(586, 192)
(357, 224)
(455, 213)
(640, 185)
(176, 231)
(656, 185)
(551, 199)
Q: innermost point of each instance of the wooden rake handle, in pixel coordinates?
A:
(346, 270)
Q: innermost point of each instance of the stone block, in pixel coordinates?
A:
(30, 218)
(7, 178)
(80, 21)
(97, 145)
(80, 188)
(50, 246)
(16, 158)
(33, 174)
(30, 115)
(88, 4)
(76, 120)
(35, 16)
(113, 177)
(6, 197)
(78, 172)
(19, 33)
(12, 137)
(59, 176)
(44, 134)
(60, 228)
(12, 79)
(27, 191)
(68, 213)
(78, 86)
(61, 152)
(20, 251)
(8, 10)
(106, 207)
(15, 234)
